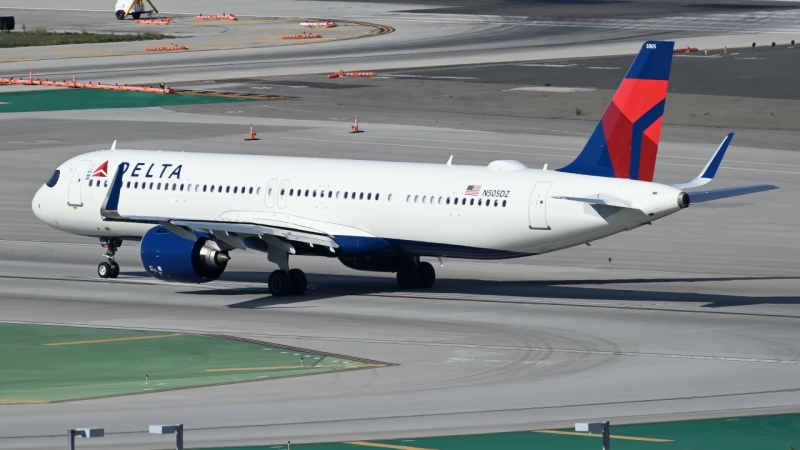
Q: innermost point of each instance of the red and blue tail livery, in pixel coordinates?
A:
(625, 142)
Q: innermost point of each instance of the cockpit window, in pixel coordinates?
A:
(53, 179)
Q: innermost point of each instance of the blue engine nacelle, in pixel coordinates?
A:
(167, 256)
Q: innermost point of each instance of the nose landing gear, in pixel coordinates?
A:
(109, 269)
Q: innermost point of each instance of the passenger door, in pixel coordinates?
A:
(76, 182)
(283, 192)
(537, 208)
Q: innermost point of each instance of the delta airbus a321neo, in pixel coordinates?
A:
(375, 216)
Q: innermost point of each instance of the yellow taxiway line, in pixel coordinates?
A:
(318, 366)
(624, 438)
(99, 341)
(27, 402)
(375, 444)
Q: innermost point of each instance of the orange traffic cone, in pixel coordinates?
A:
(252, 135)
(354, 127)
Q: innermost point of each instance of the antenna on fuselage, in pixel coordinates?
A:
(450, 161)
(113, 146)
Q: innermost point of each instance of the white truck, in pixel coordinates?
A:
(134, 8)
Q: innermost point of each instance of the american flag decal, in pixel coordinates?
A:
(474, 190)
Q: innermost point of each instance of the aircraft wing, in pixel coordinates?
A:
(708, 172)
(229, 232)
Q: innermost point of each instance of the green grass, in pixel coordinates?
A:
(32, 371)
(776, 432)
(40, 36)
(68, 99)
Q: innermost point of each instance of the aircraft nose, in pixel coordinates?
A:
(39, 206)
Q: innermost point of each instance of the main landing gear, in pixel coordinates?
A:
(415, 274)
(283, 283)
(109, 269)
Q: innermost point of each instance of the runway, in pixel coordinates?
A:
(693, 317)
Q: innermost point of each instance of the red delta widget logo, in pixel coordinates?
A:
(141, 170)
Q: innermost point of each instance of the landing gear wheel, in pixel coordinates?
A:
(120, 14)
(104, 270)
(408, 276)
(427, 276)
(136, 15)
(114, 270)
(299, 281)
(280, 285)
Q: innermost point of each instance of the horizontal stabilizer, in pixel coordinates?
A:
(600, 199)
(708, 172)
(717, 194)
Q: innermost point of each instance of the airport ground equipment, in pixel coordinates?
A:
(134, 8)
(177, 430)
(591, 427)
(83, 432)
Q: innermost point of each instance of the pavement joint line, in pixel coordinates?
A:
(99, 341)
(376, 444)
(624, 438)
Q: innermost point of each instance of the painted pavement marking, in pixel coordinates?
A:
(98, 341)
(375, 444)
(624, 438)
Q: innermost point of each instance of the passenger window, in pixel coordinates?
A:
(291, 192)
(181, 187)
(128, 184)
(314, 194)
(174, 186)
(212, 187)
(243, 189)
(135, 185)
(283, 191)
(204, 187)
(258, 191)
(448, 200)
(236, 189)
(361, 196)
(479, 202)
(330, 194)
(504, 203)
(227, 189)
(345, 195)
(105, 184)
(408, 199)
(416, 198)
(471, 201)
(463, 201)
(424, 198)
(306, 192)
(495, 203)
(337, 194)
(90, 183)
(376, 196)
(53, 179)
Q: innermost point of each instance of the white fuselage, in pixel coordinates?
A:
(504, 210)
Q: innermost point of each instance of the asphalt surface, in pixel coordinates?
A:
(695, 316)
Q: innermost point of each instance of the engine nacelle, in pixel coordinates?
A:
(167, 256)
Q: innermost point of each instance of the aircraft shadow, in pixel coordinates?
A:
(336, 286)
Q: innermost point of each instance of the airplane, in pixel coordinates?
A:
(191, 210)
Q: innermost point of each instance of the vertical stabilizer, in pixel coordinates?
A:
(625, 142)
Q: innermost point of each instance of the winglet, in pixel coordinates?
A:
(708, 172)
(109, 208)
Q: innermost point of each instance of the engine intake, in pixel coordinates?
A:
(167, 256)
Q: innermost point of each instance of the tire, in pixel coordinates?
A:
(104, 270)
(408, 276)
(120, 15)
(136, 15)
(114, 270)
(299, 281)
(280, 285)
(427, 276)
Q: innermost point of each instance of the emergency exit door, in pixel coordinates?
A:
(537, 208)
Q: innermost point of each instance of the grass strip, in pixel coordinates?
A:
(40, 36)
